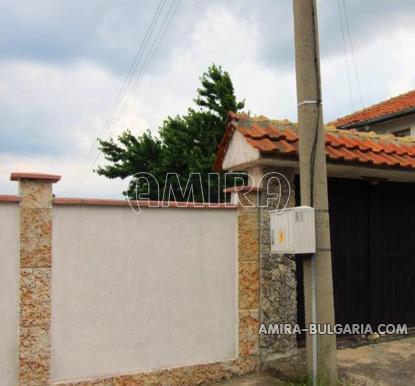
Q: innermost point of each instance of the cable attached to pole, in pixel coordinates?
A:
(312, 174)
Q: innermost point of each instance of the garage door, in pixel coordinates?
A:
(373, 250)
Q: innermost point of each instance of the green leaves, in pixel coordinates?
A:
(186, 144)
(217, 94)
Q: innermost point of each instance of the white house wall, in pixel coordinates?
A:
(239, 152)
(137, 292)
(9, 290)
(406, 122)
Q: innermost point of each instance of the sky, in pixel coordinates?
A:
(63, 63)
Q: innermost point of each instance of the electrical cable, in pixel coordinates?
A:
(345, 55)
(160, 36)
(312, 172)
(156, 44)
(123, 89)
(135, 79)
(352, 51)
(318, 107)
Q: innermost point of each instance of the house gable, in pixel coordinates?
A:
(239, 152)
(251, 142)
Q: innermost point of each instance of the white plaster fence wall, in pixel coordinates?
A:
(137, 292)
(9, 292)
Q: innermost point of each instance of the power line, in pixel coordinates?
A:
(352, 51)
(123, 89)
(153, 49)
(160, 36)
(345, 55)
(156, 43)
(140, 74)
(85, 167)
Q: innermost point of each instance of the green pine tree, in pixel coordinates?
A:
(185, 145)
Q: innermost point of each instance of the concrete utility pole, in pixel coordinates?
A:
(313, 180)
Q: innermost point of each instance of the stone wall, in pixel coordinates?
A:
(266, 286)
(39, 279)
(278, 272)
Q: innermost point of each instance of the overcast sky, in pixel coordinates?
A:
(62, 64)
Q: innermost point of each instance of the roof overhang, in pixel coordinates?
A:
(396, 107)
(333, 169)
(374, 121)
(237, 152)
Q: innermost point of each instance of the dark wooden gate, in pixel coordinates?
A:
(372, 230)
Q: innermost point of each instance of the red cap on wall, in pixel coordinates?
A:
(35, 176)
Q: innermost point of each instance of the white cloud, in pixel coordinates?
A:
(403, 78)
(95, 186)
(73, 101)
(222, 37)
(385, 68)
(52, 112)
(62, 110)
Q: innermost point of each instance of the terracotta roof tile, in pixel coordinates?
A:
(275, 134)
(288, 148)
(410, 150)
(401, 103)
(281, 138)
(264, 145)
(290, 135)
(256, 132)
(410, 161)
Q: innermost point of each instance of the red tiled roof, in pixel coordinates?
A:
(281, 138)
(399, 104)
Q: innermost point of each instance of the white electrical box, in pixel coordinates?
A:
(293, 230)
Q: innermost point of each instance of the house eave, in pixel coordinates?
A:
(334, 169)
(373, 121)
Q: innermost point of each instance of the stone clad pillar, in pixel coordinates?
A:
(278, 272)
(35, 276)
(249, 269)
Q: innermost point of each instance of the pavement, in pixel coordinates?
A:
(382, 363)
(252, 380)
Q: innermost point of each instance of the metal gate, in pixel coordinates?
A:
(372, 228)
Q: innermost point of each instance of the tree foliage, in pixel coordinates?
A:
(186, 144)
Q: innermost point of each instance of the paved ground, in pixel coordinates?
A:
(253, 380)
(390, 363)
(384, 364)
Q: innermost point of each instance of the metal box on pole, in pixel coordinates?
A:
(293, 230)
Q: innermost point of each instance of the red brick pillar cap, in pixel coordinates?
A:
(35, 177)
(242, 189)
